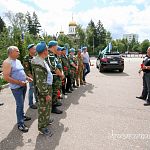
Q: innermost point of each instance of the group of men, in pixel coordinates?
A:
(50, 73)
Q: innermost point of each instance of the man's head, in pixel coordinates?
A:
(41, 49)
(72, 51)
(148, 51)
(59, 50)
(31, 49)
(13, 52)
(84, 49)
(63, 51)
(52, 46)
(79, 51)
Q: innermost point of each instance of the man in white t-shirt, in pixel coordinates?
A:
(86, 62)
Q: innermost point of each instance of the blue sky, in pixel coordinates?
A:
(118, 16)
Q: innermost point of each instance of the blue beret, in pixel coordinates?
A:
(52, 43)
(83, 48)
(72, 50)
(59, 48)
(63, 48)
(30, 46)
(40, 47)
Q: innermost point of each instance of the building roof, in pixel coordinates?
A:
(72, 23)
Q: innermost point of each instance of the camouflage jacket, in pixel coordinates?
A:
(40, 76)
(80, 61)
(59, 63)
(65, 65)
(52, 62)
(27, 64)
(72, 59)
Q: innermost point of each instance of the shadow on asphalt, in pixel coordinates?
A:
(15, 137)
(50, 143)
(115, 73)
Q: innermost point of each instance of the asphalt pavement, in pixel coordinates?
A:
(104, 114)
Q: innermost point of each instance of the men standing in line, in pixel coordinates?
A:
(146, 79)
(86, 61)
(73, 67)
(57, 74)
(28, 71)
(43, 79)
(66, 85)
(13, 73)
(80, 68)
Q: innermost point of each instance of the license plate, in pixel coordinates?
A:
(113, 62)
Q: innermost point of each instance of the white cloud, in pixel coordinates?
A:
(54, 15)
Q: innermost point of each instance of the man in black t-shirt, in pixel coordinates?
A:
(146, 79)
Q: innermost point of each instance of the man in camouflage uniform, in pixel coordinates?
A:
(66, 85)
(57, 75)
(80, 68)
(28, 70)
(59, 66)
(43, 79)
(73, 66)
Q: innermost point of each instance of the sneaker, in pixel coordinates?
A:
(51, 120)
(33, 106)
(23, 128)
(46, 131)
(26, 118)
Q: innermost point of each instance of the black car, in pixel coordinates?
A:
(110, 61)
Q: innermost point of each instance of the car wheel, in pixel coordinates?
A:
(101, 69)
(120, 70)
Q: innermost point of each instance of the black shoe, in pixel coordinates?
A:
(33, 106)
(68, 92)
(55, 110)
(147, 104)
(140, 97)
(51, 120)
(57, 104)
(75, 86)
(71, 89)
(60, 97)
(65, 94)
(26, 118)
(46, 131)
(1, 104)
(23, 128)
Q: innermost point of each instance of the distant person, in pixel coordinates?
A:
(13, 73)
(28, 70)
(86, 62)
(146, 79)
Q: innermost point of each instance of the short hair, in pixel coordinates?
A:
(11, 48)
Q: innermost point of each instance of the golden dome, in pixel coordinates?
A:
(72, 23)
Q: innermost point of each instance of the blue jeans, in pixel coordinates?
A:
(30, 95)
(86, 70)
(19, 95)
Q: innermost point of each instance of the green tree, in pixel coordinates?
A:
(144, 45)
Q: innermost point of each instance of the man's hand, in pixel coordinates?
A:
(48, 98)
(29, 79)
(22, 83)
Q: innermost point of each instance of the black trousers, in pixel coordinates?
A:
(146, 86)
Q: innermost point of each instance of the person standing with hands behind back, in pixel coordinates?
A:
(146, 79)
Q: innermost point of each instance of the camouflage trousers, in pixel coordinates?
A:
(73, 76)
(57, 83)
(44, 110)
(79, 76)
